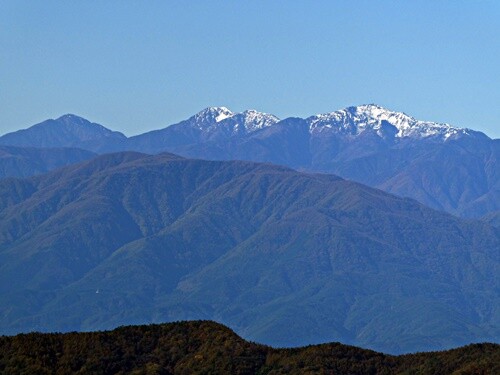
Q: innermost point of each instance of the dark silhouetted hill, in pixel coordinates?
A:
(204, 347)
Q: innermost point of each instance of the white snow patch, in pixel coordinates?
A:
(354, 120)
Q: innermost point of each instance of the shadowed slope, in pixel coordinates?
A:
(27, 161)
(283, 257)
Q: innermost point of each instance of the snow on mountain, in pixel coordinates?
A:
(253, 120)
(211, 115)
(215, 118)
(353, 121)
(349, 122)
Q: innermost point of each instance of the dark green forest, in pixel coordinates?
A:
(205, 347)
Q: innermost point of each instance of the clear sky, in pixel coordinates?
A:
(140, 65)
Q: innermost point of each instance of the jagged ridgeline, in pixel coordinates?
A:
(442, 166)
(204, 347)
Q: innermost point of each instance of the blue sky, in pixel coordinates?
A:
(140, 65)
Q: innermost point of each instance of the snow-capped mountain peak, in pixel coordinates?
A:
(74, 119)
(212, 115)
(253, 120)
(355, 120)
(215, 118)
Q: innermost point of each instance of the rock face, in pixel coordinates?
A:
(283, 257)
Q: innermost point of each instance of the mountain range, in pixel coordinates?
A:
(283, 257)
(441, 166)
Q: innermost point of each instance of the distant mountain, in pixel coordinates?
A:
(444, 167)
(28, 161)
(285, 258)
(203, 347)
(216, 124)
(66, 131)
(354, 121)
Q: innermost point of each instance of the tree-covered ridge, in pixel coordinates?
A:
(205, 347)
(285, 258)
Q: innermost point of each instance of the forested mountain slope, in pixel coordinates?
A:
(283, 257)
(202, 347)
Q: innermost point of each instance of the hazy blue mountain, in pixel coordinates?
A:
(29, 161)
(283, 257)
(444, 167)
(66, 131)
(215, 124)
